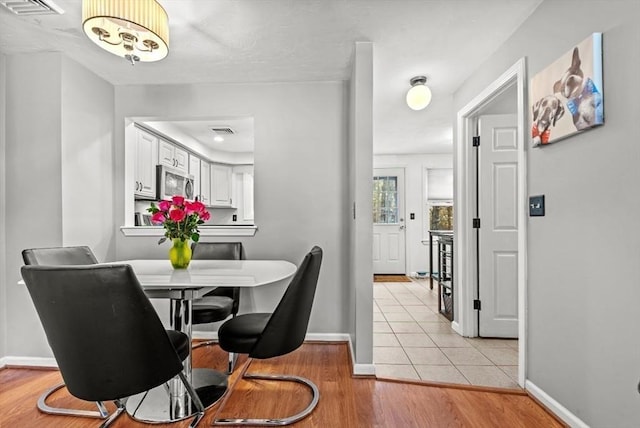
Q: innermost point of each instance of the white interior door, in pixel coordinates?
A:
(388, 221)
(498, 234)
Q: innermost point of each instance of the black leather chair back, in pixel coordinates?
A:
(58, 256)
(287, 326)
(105, 334)
(220, 251)
(217, 251)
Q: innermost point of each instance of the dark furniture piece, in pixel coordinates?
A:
(105, 335)
(219, 304)
(434, 234)
(445, 275)
(59, 256)
(268, 335)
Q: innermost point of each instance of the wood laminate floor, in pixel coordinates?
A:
(345, 401)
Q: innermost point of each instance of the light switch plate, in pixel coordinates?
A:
(536, 206)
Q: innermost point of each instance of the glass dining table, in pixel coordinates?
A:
(170, 402)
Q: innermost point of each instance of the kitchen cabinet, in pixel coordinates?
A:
(205, 182)
(173, 156)
(145, 165)
(247, 196)
(221, 193)
(194, 169)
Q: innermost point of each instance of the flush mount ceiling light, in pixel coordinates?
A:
(419, 95)
(135, 30)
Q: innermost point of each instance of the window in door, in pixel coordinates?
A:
(385, 200)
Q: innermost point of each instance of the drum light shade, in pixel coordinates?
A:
(419, 95)
(135, 30)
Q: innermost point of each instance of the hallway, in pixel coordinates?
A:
(412, 341)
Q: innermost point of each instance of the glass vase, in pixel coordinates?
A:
(180, 253)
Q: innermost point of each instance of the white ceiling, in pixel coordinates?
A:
(226, 41)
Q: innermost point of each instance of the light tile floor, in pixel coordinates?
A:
(411, 340)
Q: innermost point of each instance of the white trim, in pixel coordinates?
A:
(553, 406)
(360, 369)
(29, 362)
(204, 230)
(315, 337)
(464, 248)
(204, 335)
(456, 327)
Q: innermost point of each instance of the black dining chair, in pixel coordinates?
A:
(59, 256)
(105, 335)
(223, 302)
(268, 335)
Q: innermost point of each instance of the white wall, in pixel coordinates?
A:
(582, 263)
(64, 110)
(3, 204)
(87, 160)
(33, 182)
(417, 254)
(359, 209)
(300, 175)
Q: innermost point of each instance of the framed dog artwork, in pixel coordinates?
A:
(567, 96)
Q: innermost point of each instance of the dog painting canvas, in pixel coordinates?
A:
(567, 96)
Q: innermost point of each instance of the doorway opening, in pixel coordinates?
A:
(473, 191)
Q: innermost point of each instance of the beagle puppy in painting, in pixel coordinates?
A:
(583, 99)
(546, 112)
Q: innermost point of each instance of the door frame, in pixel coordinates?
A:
(466, 322)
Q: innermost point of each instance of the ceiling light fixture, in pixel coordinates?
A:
(135, 30)
(419, 95)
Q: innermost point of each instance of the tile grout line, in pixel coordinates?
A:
(427, 308)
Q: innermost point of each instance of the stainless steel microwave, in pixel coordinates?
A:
(171, 182)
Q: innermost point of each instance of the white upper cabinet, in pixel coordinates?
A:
(205, 182)
(221, 194)
(145, 165)
(173, 156)
(194, 169)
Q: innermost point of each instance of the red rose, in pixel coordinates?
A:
(177, 214)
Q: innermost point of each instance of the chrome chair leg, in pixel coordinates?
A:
(315, 393)
(196, 400)
(201, 344)
(120, 407)
(233, 358)
(102, 412)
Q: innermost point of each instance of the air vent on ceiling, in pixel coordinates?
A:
(32, 7)
(223, 130)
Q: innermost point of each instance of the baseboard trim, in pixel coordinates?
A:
(553, 406)
(310, 337)
(204, 335)
(456, 327)
(28, 362)
(360, 369)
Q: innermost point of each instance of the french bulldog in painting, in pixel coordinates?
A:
(584, 101)
(546, 112)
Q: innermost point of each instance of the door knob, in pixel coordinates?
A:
(401, 227)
